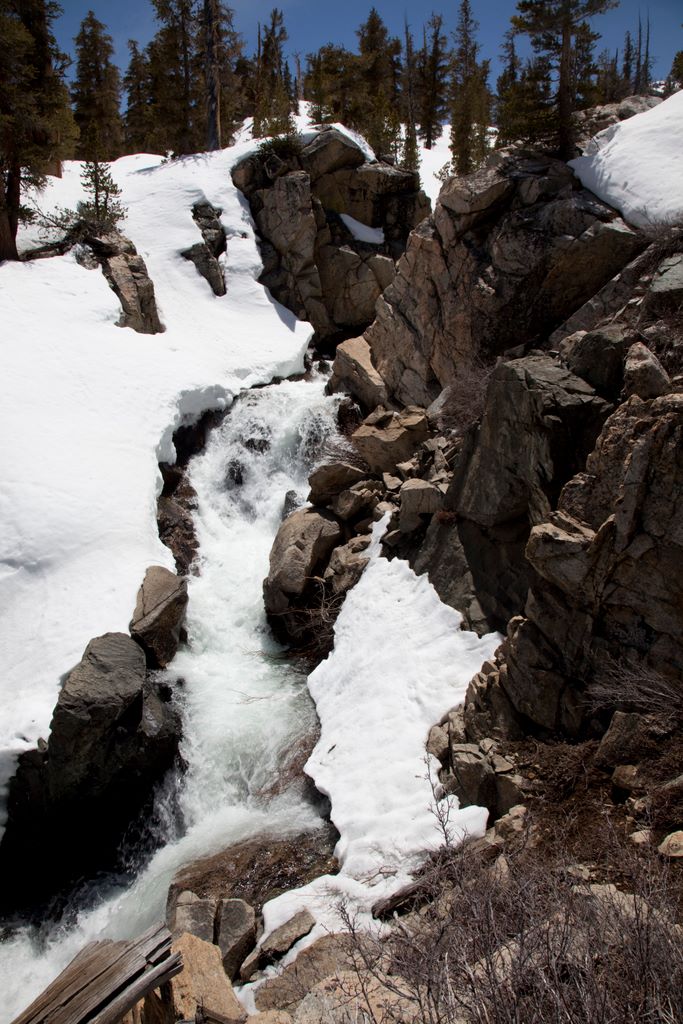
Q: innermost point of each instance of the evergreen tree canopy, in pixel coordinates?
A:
(96, 93)
(273, 110)
(171, 56)
(557, 29)
(330, 84)
(470, 97)
(102, 210)
(375, 101)
(36, 125)
(221, 88)
(433, 66)
(410, 156)
(137, 124)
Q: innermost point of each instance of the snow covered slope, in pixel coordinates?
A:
(637, 165)
(87, 409)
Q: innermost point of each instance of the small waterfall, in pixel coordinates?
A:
(245, 707)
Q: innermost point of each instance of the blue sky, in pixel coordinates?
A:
(311, 23)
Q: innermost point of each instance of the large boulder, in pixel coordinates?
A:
(385, 438)
(300, 552)
(330, 151)
(202, 990)
(330, 479)
(159, 614)
(509, 253)
(285, 218)
(354, 373)
(113, 737)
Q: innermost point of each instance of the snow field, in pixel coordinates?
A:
(87, 409)
(637, 165)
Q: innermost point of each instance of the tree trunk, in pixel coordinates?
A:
(9, 216)
(213, 82)
(564, 95)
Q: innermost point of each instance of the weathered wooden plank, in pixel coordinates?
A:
(105, 980)
(126, 1000)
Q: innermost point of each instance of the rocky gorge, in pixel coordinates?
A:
(512, 416)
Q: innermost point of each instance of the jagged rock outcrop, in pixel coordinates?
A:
(112, 738)
(205, 254)
(510, 252)
(609, 565)
(539, 424)
(127, 275)
(313, 262)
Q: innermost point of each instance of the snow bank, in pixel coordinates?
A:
(637, 165)
(400, 661)
(87, 409)
(362, 232)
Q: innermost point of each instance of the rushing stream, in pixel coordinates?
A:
(244, 706)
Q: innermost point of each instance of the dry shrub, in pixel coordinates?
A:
(522, 942)
(311, 628)
(627, 686)
(340, 449)
(466, 398)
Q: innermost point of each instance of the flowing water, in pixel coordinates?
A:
(244, 706)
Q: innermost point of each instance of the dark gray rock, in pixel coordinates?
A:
(598, 357)
(159, 615)
(207, 265)
(112, 739)
(176, 531)
(194, 915)
(236, 933)
(539, 425)
(665, 295)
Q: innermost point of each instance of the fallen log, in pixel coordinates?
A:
(105, 980)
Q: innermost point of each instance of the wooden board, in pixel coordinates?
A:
(105, 980)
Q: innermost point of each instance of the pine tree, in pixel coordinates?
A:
(96, 93)
(410, 154)
(553, 26)
(608, 81)
(677, 69)
(584, 68)
(137, 122)
(331, 83)
(36, 124)
(433, 81)
(375, 98)
(507, 92)
(174, 82)
(221, 49)
(273, 113)
(638, 71)
(627, 64)
(102, 210)
(470, 97)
